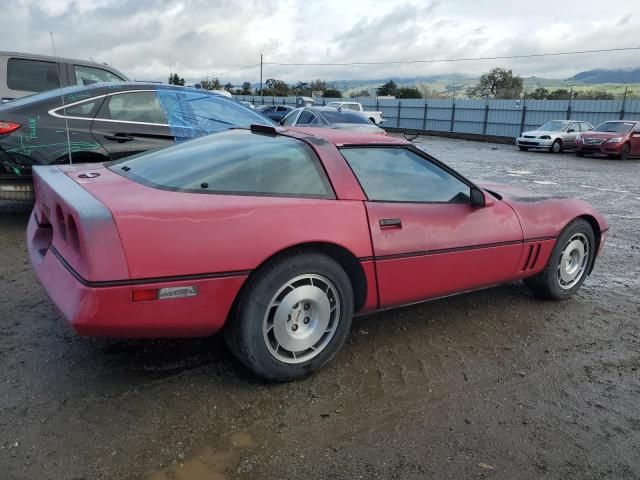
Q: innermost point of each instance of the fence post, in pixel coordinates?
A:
(486, 118)
(424, 118)
(377, 104)
(522, 119)
(453, 115)
(273, 100)
(283, 101)
(569, 110)
(399, 107)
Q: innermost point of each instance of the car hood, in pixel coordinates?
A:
(543, 215)
(537, 133)
(602, 135)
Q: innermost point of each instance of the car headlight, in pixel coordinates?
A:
(578, 138)
(615, 140)
(544, 137)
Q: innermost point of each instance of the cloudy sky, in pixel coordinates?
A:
(206, 37)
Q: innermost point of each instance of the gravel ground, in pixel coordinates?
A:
(492, 384)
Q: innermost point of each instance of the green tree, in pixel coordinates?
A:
(318, 86)
(539, 93)
(409, 92)
(213, 84)
(332, 93)
(246, 89)
(388, 89)
(229, 87)
(176, 80)
(276, 88)
(559, 94)
(498, 83)
(301, 89)
(361, 93)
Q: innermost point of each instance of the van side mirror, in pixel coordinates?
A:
(477, 198)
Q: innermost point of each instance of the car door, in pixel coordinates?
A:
(634, 140)
(428, 240)
(131, 122)
(307, 119)
(569, 137)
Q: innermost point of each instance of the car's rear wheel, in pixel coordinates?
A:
(293, 316)
(624, 155)
(524, 149)
(569, 263)
(556, 146)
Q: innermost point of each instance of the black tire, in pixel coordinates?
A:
(556, 146)
(579, 154)
(523, 149)
(624, 155)
(244, 333)
(546, 284)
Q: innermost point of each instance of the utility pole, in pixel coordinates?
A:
(260, 74)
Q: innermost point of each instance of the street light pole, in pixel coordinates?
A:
(260, 74)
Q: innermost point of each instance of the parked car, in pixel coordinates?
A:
(617, 139)
(281, 236)
(555, 136)
(274, 112)
(23, 74)
(331, 118)
(106, 122)
(375, 117)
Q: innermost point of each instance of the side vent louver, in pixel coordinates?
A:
(532, 254)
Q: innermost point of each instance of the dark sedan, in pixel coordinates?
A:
(105, 122)
(330, 117)
(274, 112)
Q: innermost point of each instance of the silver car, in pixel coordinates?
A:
(330, 117)
(555, 136)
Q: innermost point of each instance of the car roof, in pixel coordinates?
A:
(341, 138)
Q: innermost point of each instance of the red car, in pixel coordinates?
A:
(619, 139)
(281, 236)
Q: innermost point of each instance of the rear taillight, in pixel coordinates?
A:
(8, 127)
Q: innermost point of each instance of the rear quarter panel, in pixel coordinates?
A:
(166, 233)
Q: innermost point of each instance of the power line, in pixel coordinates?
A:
(236, 70)
(502, 57)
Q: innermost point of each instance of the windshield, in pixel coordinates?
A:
(345, 117)
(554, 126)
(614, 127)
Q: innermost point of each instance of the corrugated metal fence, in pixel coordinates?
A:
(502, 118)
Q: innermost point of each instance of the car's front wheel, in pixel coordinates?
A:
(569, 263)
(293, 316)
(624, 154)
(556, 147)
(523, 149)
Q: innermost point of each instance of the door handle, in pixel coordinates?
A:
(390, 223)
(119, 137)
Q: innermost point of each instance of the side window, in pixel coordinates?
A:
(400, 175)
(586, 127)
(307, 118)
(290, 118)
(32, 75)
(575, 126)
(81, 110)
(351, 106)
(133, 107)
(282, 109)
(88, 75)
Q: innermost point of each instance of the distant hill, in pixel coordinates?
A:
(601, 75)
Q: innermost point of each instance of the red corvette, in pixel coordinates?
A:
(281, 236)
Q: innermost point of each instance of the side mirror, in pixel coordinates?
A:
(477, 198)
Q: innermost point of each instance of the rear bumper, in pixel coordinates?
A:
(110, 311)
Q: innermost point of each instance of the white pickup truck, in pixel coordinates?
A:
(375, 117)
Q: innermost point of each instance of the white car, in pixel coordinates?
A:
(555, 136)
(375, 117)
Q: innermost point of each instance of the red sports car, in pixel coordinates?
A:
(617, 139)
(281, 236)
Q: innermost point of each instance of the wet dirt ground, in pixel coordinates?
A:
(492, 384)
